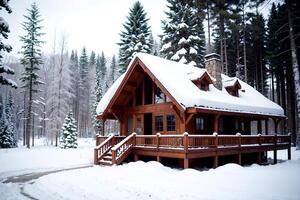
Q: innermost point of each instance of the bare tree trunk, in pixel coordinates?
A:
(225, 53)
(244, 46)
(208, 27)
(60, 72)
(28, 119)
(295, 69)
(238, 73)
(24, 120)
(272, 83)
(291, 107)
(32, 139)
(221, 41)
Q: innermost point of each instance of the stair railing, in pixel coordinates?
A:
(103, 148)
(123, 149)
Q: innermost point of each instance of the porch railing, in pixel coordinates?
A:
(208, 141)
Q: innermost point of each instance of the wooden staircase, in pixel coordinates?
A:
(113, 150)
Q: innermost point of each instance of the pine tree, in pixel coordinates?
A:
(83, 91)
(6, 134)
(74, 83)
(11, 120)
(4, 30)
(183, 37)
(100, 74)
(68, 136)
(112, 73)
(31, 59)
(136, 36)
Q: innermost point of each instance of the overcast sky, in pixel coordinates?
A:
(95, 24)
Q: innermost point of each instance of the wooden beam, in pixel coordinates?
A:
(189, 118)
(259, 126)
(216, 123)
(126, 93)
(266, 127)
(178, 113)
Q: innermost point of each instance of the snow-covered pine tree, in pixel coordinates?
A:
(74, 83)
(100, 74)
(83, 92)
(135, 37)
(68, 136)
(31, 59)
(112, 76)
(4, 30)
(183, 37)
(11, 119)
(6, 134)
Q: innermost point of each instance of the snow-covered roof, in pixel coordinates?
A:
(177, 80)
(230, 82)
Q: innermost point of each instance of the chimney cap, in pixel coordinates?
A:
(212, 56)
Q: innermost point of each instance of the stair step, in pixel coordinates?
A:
(105, 162)
(108, 158)
(109, 153)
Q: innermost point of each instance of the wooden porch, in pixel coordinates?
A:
(111, 150)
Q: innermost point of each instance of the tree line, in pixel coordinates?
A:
(263, 52)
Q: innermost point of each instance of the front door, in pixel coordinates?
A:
(148, 124)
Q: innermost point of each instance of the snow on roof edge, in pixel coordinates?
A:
(213, 99)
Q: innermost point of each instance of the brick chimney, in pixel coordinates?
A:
(213, 67)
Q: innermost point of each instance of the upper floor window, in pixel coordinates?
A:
(171, 122)
(159, 96)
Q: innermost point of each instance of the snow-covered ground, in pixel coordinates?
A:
(21, 160)
(151, 180)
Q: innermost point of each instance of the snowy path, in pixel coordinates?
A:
(21, 180)
(32, 176)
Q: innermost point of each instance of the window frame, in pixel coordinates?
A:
(173, 125)
(201, 123)
(161, 126)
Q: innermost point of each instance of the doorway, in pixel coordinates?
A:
(148, 124)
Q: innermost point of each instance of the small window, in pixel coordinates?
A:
(199, 123)
(203, 86)
(171, 122)
(159, 123)
(159, 96)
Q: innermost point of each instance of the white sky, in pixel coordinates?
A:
(95, 24)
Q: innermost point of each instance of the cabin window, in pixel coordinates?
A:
(138, 96)
(159, 96)
(159, 123)
(199, 123)
(148, 90)
(171, 122)
(233, 92)
(203, 86)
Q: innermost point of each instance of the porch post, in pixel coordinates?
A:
(103, 127)
(275, 125)
(259, 126)
(216, 123)
(266, 126)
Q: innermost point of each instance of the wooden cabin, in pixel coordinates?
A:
(169, 109)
